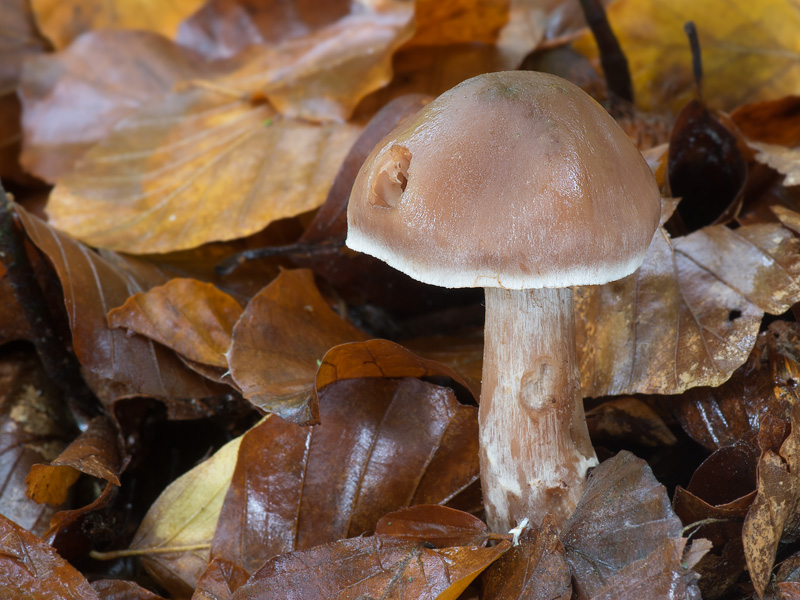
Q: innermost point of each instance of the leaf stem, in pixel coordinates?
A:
(115, 554)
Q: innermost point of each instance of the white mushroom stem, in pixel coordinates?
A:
(535, 447)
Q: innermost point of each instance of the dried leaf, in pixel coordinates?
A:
(64, 20)
(784, 160)
(624, 530)
(176, 532)
(770, 121)
(72, 99)
(750, 50)
(630, 420)
(220, 580)
(295, 487)
(776, 506)
(690, 315)
(92, 286)
(30, 568)
(32, 430)
(193, 318)
(94, 452)
(373, 567)
(536, 569)
(277, 343)
(383, 358)
(450, 22)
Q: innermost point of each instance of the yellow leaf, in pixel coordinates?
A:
(751, 50)
(64, 20)
(185, 515)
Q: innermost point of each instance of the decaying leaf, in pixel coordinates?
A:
(535, 569)
(690, 315)
(32, 430)
(371, 567)
(624, 537)
(73, 98)
(63, 21)
(92, 286)
(437, 525)
(94, 452)
(784, 160)
(776, 507)
(220, 580)
(296, 487)
(775, 121)
(30, 568)
(750, 49)
(176, 533)
(193, 318)
(628, 419)
(278, 342)
(117, 589)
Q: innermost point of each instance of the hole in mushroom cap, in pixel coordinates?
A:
(392, 178)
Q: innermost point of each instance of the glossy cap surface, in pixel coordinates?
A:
(515, 179)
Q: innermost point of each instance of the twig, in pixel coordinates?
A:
(697, 57)
(229, 265)
(612, 58)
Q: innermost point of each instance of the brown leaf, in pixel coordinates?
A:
(759, 389)
(383, 358)
(373, 567)
(770, 121)
(193, 318)
(19, 41)
(32, 430)
(536, 569)
(437, 525)
(92, 286)
(776, 506)
(62, 21)
(630, 420)
(278, 342)
(94, 452)
(220, 580)
(690, 315)
(117, 589)
(296, 487)
(100, 79)
(784, 160)
(450, 22)
(29, 568)
(624, 530)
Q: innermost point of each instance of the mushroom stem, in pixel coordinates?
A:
(535, 447)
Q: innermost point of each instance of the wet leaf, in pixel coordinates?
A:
(383, 358)
(296, 487)
(437, 525)
(30, 568)
(373, 567)
(536, 569)
(175, 534)
(32, 430)
(64, 20)
(776, 507)
(690, 315)
(220, 580)
(72, 99)
(92, 286)
(117, 589)
(758, 390)
(277, 343)
(750, 50)
(629, 420)
(94, 452)
(193, 318)
(624, 536)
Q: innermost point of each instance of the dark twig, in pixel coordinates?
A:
(612, 58)
(697, 57)
(58, 361)
(229, 265)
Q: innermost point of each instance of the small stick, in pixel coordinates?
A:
(612, 58)
(697, 57)
(229, 265)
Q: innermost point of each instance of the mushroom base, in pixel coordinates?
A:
(535, 447)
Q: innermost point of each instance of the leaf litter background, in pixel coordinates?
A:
(305, 424)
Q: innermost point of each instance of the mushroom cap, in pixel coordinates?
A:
(515, 179)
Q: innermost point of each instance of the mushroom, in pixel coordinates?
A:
(520, 183)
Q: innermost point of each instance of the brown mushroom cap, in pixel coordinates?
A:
(516, 179)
